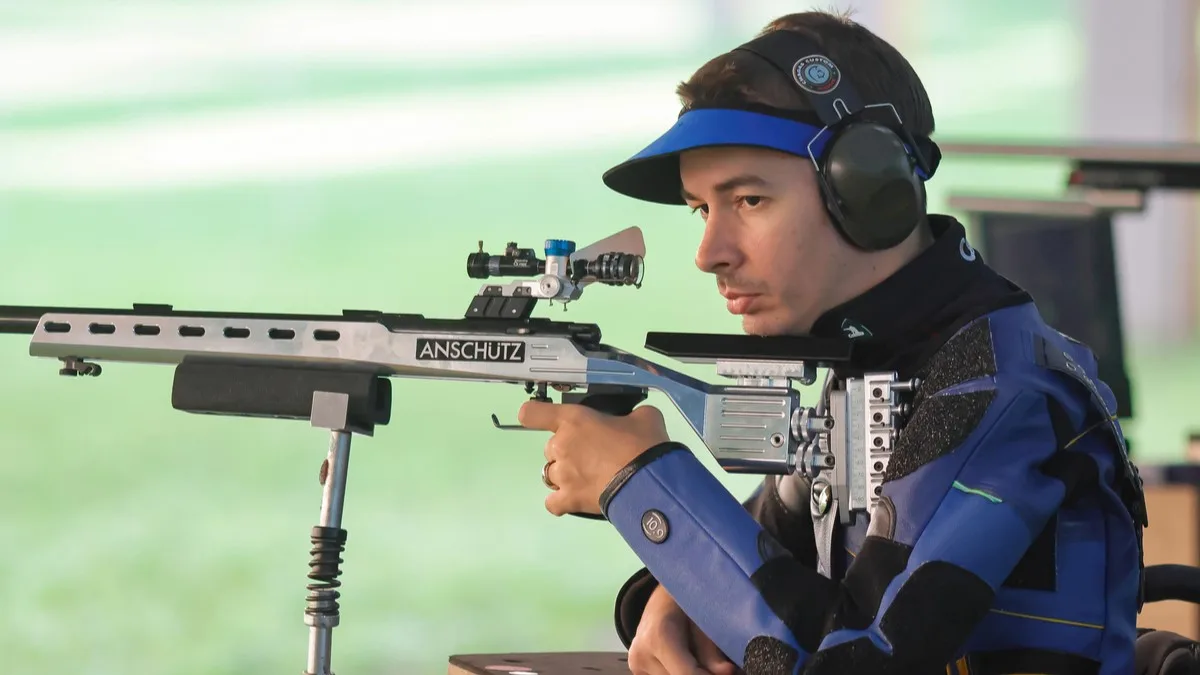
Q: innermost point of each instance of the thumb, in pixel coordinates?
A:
(647, 413)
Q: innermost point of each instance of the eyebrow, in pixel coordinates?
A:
(741, 180)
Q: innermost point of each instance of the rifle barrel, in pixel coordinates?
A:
(20, 320)
(24, 319)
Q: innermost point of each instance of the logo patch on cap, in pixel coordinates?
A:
(816, 74)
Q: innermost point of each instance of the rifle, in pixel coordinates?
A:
(335, 372)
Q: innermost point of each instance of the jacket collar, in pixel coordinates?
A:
(919, 307)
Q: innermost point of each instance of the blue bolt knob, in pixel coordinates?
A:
(559, 247)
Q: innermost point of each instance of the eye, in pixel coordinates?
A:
(750, 201)
(703, 209)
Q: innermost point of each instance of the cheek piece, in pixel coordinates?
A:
(870, 169)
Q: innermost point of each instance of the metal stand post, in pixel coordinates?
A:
(345, 401)
(330, 411)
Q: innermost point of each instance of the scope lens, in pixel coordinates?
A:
(477, 265)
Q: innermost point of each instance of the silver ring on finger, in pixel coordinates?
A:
(546, 476)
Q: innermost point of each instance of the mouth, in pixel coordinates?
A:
(739, 303)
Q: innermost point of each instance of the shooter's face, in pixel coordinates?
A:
(767, 237)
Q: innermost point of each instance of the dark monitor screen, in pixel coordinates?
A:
(1068, 265)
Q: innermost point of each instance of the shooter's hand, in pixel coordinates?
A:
(668, 643)
(588, 448)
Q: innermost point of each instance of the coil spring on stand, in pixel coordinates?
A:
(328, 543)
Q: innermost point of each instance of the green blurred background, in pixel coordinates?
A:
(315, 156)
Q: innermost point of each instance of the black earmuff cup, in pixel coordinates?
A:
(872, 192)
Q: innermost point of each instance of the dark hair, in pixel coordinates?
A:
(879, 72)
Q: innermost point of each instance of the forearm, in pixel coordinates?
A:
(792, 529)
(748, 594)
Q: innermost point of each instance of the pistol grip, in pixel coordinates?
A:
(610, 399)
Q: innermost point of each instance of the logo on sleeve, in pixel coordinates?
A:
(654, 526)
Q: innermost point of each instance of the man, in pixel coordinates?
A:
(1008, 535)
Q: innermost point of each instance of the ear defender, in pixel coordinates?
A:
(870, 173)
(871, 188)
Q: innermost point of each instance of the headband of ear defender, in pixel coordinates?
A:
(868, 166)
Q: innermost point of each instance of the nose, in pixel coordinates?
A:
(718, 251)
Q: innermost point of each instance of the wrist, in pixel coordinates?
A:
(618, 481)
(660, 599)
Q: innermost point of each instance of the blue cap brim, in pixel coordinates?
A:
(653, 174)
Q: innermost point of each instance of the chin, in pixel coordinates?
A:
(763, 325)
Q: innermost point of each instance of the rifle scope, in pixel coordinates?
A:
(515, 262)
(612, 269)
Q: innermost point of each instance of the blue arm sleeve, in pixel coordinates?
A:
(715, 559)
(957, 525)
(792, 529)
